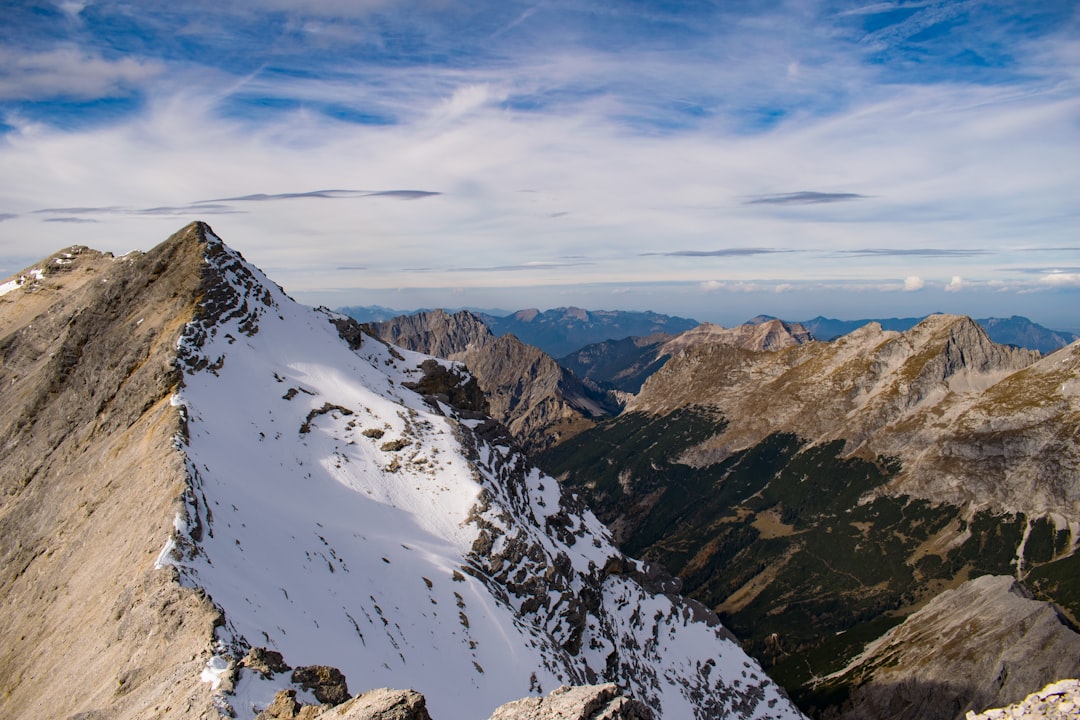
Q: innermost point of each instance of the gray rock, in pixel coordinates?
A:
(582, 702)
(381, 704)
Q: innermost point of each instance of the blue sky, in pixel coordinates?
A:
(709, 159)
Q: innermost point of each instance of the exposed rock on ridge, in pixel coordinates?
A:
(1057, 701)
(540, 402)
(90, 483)
(767, 335)
(882, 393)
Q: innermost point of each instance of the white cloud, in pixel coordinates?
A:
(69, 72)
(912, 283)
(956, 284)
(1061, 279)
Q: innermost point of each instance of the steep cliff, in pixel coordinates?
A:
(540, 402)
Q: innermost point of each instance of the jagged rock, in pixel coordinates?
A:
(284, 707)
(526, 390)
(1057, 701)
(265, 662)
(767, 335)
(583, 702)
(908, 395)
(381, 704)
(326, 683)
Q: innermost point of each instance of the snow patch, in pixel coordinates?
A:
(215, 670)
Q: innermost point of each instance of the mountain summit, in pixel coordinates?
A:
(205, 482)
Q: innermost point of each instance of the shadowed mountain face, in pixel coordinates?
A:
(205, 482)
(819, 494)
(625, 365)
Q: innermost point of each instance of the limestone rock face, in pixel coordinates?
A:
(89, 485)
(587, 702)
(938, 391)
(381, 704)
(765, 336)
(539, 402)
(984, 644)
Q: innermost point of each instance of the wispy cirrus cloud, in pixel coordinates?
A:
(915, 252)
(725, 252)
(805, 197)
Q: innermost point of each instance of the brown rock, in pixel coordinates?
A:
(381, 704)
(327, 683)
(265, 662)
(284, 707)
(582, 702)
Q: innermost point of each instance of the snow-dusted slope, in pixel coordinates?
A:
(337, 517)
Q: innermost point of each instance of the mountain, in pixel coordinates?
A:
(624, 365)
(560, 331)
(818, 495)
(205, 483)
(982, 634)
(1015, 330)
(1020, 331)
(540, 402)
(380, 313)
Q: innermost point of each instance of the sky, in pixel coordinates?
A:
(713, 160)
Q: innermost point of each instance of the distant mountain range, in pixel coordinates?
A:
(562, 331)
(1015, 330)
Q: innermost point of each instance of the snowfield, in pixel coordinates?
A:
(335, 516)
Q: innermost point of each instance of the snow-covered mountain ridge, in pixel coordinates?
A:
(340, 518)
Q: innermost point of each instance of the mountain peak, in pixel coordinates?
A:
(299, 494)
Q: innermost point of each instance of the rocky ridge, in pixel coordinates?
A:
(310, 503)
(90, 477)
(902, 395)
(540, 402)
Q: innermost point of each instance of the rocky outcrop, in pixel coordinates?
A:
(985, 644)
(1057, 701)
(540, 402)
(326, 683)
(590, 702)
